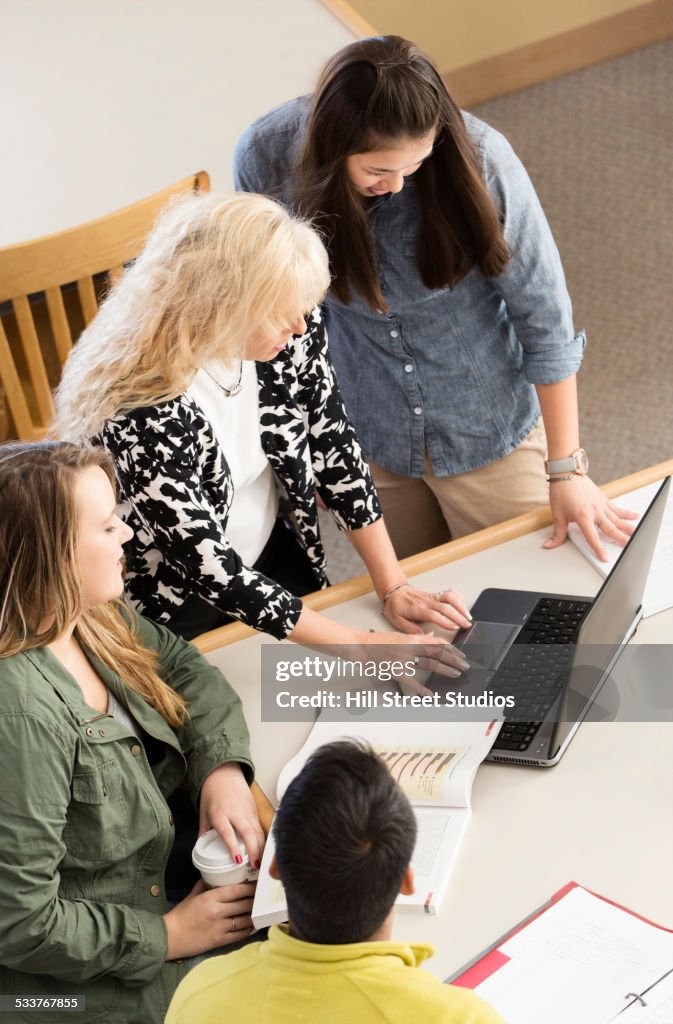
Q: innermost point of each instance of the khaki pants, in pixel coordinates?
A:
(422, 512)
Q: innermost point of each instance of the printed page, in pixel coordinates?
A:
(439, 837)
(578, 960)
(434, 762)
(424, 772)
(659, 589)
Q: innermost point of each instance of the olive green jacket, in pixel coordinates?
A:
(85, 830)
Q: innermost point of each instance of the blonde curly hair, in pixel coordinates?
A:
(214, 270)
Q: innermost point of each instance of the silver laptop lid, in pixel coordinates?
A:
(611, 620)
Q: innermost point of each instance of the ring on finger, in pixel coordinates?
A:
(234, 925)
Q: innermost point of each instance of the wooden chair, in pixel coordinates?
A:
(50, 289)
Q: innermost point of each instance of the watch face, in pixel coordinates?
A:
(581, 460)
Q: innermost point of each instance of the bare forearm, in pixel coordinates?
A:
(404, 605)
(573, 496)
(316, 630)
(375, 548)
(558, 403)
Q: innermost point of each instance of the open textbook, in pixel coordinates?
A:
(659, 589)
(435, 764)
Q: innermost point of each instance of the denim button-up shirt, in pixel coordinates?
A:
(450, 370)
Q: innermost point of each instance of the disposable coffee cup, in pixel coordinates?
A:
(212, 858)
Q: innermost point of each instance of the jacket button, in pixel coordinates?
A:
(101, 732)
(136, 749)
(155, 890)
(170, 819)
(89, 732)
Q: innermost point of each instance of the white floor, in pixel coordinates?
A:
(104, 103)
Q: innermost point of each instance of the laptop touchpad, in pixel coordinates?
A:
(486, 643)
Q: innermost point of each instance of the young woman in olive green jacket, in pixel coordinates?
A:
(102, 716)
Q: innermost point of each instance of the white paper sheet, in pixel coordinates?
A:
(576, 962)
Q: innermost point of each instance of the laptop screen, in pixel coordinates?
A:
(610, 619)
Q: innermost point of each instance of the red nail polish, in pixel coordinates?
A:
(239, 859)
(257, 865)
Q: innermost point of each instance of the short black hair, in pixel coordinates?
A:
(344, 833)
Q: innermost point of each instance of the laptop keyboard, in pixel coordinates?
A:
(535, 674)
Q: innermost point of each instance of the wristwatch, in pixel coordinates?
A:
(577, 462)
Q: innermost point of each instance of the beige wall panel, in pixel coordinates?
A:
(462, 32)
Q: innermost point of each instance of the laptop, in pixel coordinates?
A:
(552, 653)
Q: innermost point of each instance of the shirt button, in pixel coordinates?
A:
(408, 368)
(136, 749)
(394, 334)
(155, 890)
(417, 411)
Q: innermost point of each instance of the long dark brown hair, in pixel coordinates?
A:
(371, 94)
(40, 584)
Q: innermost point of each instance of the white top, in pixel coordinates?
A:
(119, 712)
(235, 423)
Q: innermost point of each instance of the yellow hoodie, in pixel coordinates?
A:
(287, 981)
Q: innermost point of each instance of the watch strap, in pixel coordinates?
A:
(561, 465)
(576, 462)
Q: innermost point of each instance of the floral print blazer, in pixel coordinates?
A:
(177, 490)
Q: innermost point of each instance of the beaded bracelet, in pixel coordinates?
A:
(393, 590)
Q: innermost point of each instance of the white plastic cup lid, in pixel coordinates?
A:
(211, 852)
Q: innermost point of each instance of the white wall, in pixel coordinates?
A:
(106, 101)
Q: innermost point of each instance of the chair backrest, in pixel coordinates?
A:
(50, 289)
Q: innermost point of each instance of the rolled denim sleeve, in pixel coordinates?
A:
(533, 284)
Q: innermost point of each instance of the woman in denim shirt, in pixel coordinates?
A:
(449, 320)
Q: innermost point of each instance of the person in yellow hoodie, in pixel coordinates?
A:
(344, 834)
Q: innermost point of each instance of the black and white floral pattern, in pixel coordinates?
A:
(177, 488)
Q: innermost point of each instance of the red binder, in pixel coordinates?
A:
(492, 959)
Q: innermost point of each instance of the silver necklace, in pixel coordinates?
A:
(233, 389)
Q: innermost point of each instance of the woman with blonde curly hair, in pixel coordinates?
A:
(211, 385)
(103, 716)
